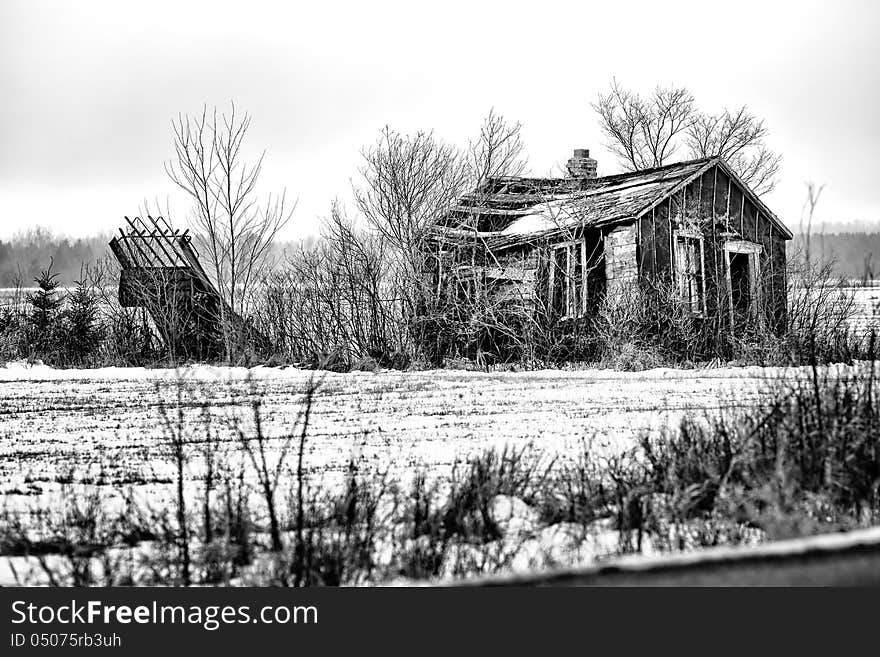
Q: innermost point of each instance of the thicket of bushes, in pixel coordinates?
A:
(805, 461)
(343, 303)
(79, 327)
(647, 326)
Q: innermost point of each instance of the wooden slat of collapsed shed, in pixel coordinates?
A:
(145, 247)
(846, 559)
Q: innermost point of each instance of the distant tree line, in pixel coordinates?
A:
(853, 255)
(26, 254)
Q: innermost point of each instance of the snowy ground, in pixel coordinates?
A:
(107, 425)
(104, 431)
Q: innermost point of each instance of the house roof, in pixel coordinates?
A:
(518, 210)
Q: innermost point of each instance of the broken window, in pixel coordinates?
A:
(689, 270)
(567, 293)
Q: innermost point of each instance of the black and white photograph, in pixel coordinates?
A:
(468, 294)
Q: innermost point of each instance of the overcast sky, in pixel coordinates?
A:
(88, 90)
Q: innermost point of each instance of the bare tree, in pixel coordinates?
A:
(646, 132)
(235, 231)
(468, 305)
(411, 181)
(410, 184)
(814, 191)
(498, 151)
(738, 138)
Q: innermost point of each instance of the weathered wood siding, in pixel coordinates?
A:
(717, 207)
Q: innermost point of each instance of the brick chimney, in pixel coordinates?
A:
(581, 166)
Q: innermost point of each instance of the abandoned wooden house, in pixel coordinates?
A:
(161, 272)
(558, 246)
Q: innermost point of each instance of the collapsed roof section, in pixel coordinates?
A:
(510, 211)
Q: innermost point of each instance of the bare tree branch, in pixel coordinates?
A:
(643, 132)
(498, 151)
(234, 230)
(646, 132)
(738, 138)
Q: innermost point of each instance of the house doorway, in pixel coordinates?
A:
(742, 280)
(740, 283)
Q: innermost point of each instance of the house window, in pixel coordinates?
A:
(567, 289)
(689, 270)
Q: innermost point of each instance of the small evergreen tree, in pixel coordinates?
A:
(83, 331)
(45, 305)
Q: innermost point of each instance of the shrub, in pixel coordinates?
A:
(806, 461)
(518, 473)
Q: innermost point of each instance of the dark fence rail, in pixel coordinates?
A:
(846, 559)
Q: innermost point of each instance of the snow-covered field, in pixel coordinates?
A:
(105, 431)
(106, 426)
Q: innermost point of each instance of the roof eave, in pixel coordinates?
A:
(717, 161)
(754, 198)
(681, 185)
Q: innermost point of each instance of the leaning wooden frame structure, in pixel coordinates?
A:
(161, 273)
